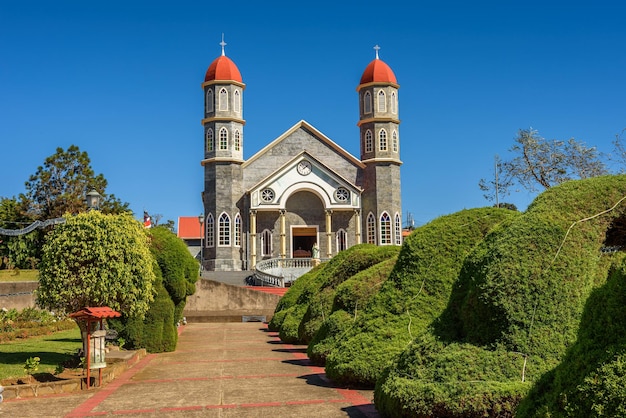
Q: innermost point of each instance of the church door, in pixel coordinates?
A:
(302, 240)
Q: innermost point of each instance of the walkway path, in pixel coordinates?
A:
(218, 370)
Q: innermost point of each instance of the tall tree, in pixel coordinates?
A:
(61, 184)
(539, 164)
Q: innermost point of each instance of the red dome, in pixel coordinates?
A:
(223, 68)
(378, 72)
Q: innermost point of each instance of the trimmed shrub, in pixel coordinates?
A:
(310, 298)
(177, 272)
(349, 299)
(179, 269)
(415, 293)
(591, 379)
(515, 310)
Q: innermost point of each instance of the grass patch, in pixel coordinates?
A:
(19, 275)
(51, 349)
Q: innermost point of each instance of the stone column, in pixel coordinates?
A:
(329, 233)
(357, 229)
(283, 241)
(253, 238)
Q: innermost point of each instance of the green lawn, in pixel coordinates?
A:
(18, 275)
(52, 349)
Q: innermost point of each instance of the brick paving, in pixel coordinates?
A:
(218, 370)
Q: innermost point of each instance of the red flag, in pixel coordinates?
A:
(147, 223)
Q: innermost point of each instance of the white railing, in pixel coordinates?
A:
(280, 271)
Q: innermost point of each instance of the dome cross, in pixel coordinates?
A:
(376, 48)
(223, 44)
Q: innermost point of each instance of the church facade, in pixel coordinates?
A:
(302, 194)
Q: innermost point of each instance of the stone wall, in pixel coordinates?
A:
(219, 302)
(17, 295)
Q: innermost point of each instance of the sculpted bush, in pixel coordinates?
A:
(299, 313)
(515, 310)
(415, 293)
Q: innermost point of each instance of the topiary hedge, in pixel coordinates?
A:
(177, 272)
(349, 299)
(415, 293)
(591, 379)
(180, 270)
(300, 312)
(515, 310)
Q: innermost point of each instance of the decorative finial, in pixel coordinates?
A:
(223, 44)
(376, 48)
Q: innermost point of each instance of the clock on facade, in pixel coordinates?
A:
(304, 167)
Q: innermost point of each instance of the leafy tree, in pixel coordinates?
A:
(60, 186)
(96, 259)
(16, 251)
(540, 164)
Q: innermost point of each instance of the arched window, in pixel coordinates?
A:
(237, 104)
(385, 229)
(382, 140)
(266, 242)
(394, 141)
(224, 230)
(237, 140)
(394, 103)
(371, 229)
(342, 240)
(238, 230)
(223, 99)
(398, 222)
(369, 143)
(209, 100)
(382, 102)
(223, 138)
(210, 231)
(209, 140)
(367, 102)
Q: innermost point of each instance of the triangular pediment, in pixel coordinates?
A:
(315, 134)
(304, 173)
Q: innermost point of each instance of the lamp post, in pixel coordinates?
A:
(201, 219)
(93, 200)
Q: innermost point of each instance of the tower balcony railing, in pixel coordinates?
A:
(281, 272)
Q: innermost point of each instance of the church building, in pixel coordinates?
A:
(302, 195)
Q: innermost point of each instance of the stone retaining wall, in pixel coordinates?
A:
(17, 295)
(219, 302)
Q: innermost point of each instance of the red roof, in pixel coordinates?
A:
(379, 72)
(96, 312)
(189, 227)
(223, 68)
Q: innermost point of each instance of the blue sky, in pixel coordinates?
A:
(121, 79)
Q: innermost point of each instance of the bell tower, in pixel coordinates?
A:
(380, 152)
(223, 155)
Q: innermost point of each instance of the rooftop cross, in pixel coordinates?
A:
(223, 44)
(376, 48)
